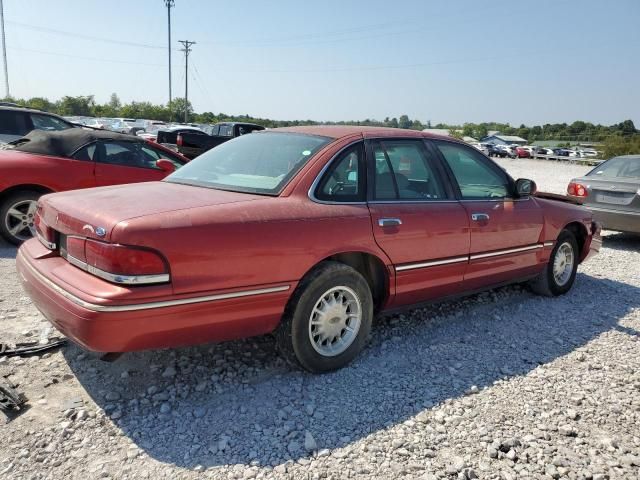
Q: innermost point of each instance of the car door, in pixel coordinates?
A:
(505, 231)
(125, 162)
(416, 220)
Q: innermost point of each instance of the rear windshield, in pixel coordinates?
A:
(261, 163)
(618, 167)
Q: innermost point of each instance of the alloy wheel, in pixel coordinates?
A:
(19, 220)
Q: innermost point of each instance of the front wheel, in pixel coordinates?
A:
(17, 215)
(328, 319)
(560, 272)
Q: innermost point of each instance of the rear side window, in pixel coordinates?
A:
(226, 131)
(477, 178)
(85, 153)
(344, 180)
(404, 170)
(13, 123)
(46, 122)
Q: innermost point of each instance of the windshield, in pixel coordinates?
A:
(261, 163)
(618, 167)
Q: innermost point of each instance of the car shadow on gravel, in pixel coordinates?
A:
(629, 242)
(237, 403)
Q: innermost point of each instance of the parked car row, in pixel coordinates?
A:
(531, 151)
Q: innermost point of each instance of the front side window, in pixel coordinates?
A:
(404, 170)
(46, 122)
(476, 177)
(262, 163)
(128, 154)
(344, 180)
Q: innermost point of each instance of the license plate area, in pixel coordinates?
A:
(615, 198)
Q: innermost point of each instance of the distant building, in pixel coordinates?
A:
(498, 139)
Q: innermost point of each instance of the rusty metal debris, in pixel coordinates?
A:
(10, 399)
(24, 349)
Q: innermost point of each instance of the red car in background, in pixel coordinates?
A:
(53, 161)
(522, 152)
(305, 232)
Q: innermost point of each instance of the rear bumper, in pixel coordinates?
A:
(616, 220)
(105, 327)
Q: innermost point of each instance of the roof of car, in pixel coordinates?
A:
(63, 143)
(338, 131)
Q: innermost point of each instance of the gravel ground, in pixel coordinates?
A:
(503, 384)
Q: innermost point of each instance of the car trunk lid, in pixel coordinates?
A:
(614, 194)
(94, 213)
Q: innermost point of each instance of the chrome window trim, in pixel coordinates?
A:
(311, 193)
(150, 305)
(549, 244)
(507, 251)
(384, 202)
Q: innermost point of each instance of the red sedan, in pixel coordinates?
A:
(53, 161)
(303, 232)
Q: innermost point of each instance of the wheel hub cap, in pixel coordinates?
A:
(19, 219)
(563, 264)
(335, 321)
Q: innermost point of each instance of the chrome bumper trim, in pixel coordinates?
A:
(150, 305)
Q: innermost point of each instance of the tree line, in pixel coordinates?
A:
(619, 138)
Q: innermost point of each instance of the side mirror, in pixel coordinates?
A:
(525, 187)
(166, 165)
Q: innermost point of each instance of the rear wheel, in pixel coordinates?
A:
(17, 214)
(560, 272)
(328, 319)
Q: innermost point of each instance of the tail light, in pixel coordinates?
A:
(577, 190)
(179, 141)
(45, 234)
(117, 263)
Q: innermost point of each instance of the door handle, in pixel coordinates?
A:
(479, 217)
(389, 222)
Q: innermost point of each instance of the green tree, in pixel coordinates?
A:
(81, 106)
(404, 122)
(178, 107)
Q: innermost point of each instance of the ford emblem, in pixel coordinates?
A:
(101, 232)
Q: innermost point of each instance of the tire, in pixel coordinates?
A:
(24, 202)
(328, 300)
(548, 283)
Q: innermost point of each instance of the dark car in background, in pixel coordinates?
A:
(612, 192)
(193, 144)
(16, 122)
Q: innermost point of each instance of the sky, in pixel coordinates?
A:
(454, 61)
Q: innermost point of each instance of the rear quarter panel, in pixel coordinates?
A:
(53, 173)
(276, 240)
(557, 215)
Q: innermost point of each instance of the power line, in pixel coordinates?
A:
(169, 4)
(4, 51)
(94, 59)
(187, 49)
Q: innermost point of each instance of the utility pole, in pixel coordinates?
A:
(4, 51)
(169, 4)
(187, 48)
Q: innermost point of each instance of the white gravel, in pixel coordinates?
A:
(499, 385)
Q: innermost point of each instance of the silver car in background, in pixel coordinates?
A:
(612, 192)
